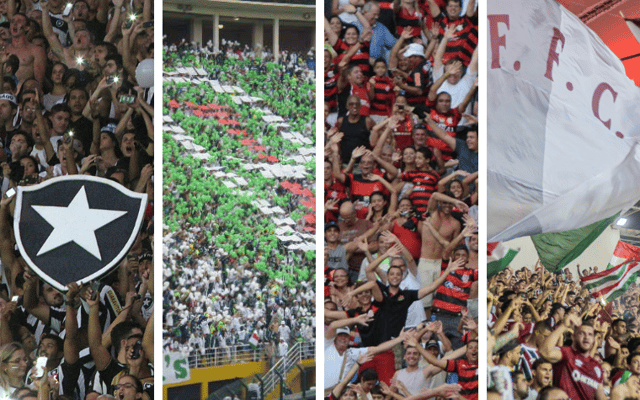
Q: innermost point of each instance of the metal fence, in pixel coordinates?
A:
(259, 387)
(300, 351)
(238, 354)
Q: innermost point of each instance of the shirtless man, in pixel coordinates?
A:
(630, 388)
(431, 252)
(32, 57)
(75, 56)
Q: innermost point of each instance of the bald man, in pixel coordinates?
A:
(350, 228)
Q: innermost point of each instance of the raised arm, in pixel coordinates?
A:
(99, 353)
(71, 339)
(453, 265)
(449, 70)
(548, 349)
(332, 37)
(467, 99)
(362, 319)
(440, 133)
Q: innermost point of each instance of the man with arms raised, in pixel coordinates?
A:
(574, 370)
(32, 57)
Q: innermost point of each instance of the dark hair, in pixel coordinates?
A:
(377, 390)
(122, 331)
(115, 57)
(616, 322)
(111, 48)
(630, 356)
(138, 382)
(13, 85)
(538, 363)
(380, 59)
(426, 152)
(555, 307)
(55, 338)
(369, 374)
(83, 90)
(461, 247)
(32, 158)
(14, 62)
(60, 107)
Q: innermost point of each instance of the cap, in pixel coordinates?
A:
(344, 329)
(109, 128)
(9, 97)
(432, 343)
(332, 224)
(414, 49)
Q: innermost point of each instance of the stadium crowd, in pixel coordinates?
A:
(401, 171)
(230, 273)
(550, 339)
(76, 98)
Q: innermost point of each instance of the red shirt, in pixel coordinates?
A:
(467, 377)
(579, 376)
(448, 123)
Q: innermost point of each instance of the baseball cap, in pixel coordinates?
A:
(332, 224)
(344, 329)
(414, 49)
(109, 128)
(432, 343)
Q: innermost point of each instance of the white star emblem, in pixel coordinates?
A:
(75, 223)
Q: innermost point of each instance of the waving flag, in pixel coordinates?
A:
(622, 271)
(499, 257)
(564, 123)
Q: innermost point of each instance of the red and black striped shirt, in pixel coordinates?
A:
(448, 123)
(361, 58)
(424, 184)
(408, 18)
(463, 43)
(467, 377)
(384, 96)
(331, 86)
(361, 190)
(453, 294)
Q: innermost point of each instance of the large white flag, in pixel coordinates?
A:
(563, 126)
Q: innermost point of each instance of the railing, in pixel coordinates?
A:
(255, 387)
(300, 351)
(237, 354)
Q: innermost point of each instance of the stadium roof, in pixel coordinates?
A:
(294, 10)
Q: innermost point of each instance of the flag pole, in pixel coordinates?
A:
(604, 306)
(628, 57)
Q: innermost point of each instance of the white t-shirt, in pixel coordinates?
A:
(333, 362)
(458, 91)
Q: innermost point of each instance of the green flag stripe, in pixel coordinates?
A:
(631, 276)
(557, 249)
(608, 278)
(496, 266)
(617, 293)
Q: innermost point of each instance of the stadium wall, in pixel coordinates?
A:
(207, 380)
(278, 26)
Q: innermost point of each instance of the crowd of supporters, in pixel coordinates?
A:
(401, 199)
(550, 339)
(230, 271)
(76, 98)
